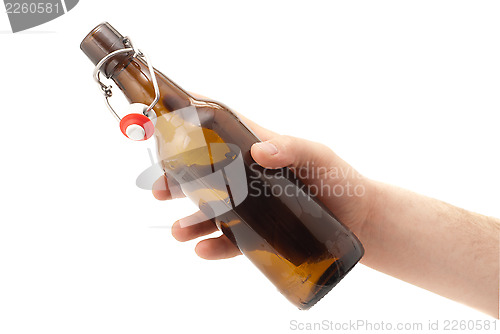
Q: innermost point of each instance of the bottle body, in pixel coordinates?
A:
(293, 239)
(289, 235)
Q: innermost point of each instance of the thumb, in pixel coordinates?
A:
(287, 151)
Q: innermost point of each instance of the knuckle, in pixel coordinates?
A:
(287, 142)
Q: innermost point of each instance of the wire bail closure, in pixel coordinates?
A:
(130, 123)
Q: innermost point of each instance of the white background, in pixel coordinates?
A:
(406, 91)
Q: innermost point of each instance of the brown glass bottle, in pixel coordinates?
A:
(289, 235)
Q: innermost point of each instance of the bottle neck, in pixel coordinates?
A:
(130, 73)
(134, 79)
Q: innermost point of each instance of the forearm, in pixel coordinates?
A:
(434, 245)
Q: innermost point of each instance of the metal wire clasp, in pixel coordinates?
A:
(107, 89)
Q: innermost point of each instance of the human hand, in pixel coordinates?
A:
(316, 165)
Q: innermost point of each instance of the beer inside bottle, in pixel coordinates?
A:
(267, 213)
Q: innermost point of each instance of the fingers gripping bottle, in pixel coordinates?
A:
(203, 146)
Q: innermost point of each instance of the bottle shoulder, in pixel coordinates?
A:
(211, 111)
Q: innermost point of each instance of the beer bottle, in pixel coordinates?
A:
(202, 145)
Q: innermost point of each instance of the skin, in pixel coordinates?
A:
(423, 241)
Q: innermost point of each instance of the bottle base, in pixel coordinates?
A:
(330, 278)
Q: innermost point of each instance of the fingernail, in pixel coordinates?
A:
(267, 147)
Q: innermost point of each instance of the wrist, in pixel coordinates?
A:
(373, 203)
